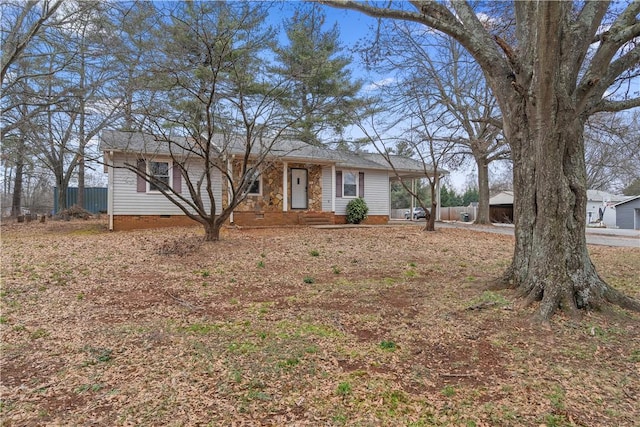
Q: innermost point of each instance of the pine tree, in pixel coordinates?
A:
(323, 92)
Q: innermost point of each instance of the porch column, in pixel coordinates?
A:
(285, 187)
(333, 188)
(438, 198)
(413, 198)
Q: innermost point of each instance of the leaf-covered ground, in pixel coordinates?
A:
(298, 326)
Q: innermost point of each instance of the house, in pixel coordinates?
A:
(501, 207)
(301, 184)
(600, 207)
(628, 213)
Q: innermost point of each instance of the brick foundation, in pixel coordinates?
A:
(371, 219)
(137, 222)
(277, 219)
(266, 219)
(247, 219)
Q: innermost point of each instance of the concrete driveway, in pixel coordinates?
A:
(595, 236)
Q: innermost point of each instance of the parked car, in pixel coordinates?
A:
(418, 213)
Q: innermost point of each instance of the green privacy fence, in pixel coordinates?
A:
(95, 199)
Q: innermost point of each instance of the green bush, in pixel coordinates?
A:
(357, 210)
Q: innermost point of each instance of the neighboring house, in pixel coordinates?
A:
(501, 207)
(302, 184)
(628, 213)
(600, 207)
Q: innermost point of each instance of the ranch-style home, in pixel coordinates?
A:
(300, 184)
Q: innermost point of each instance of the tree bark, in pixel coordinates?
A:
(211, 233)
(16, 201)
(483, 214)
(62, 197)
(431, 214)
(551, 263)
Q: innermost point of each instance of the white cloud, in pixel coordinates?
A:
(378, 84)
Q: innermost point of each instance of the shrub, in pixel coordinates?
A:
(357, 210)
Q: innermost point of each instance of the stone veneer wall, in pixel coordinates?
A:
(271, 199)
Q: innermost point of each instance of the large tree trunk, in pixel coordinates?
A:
(62, 198)
(551, 263)
(16, 201)
(483, 215)
(81, 179)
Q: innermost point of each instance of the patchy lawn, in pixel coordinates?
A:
(298, 326)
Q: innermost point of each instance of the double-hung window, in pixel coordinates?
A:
(349, 184)
(159, 171)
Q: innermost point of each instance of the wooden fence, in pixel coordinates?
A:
(456, 213)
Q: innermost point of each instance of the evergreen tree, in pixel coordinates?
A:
(471, 194)
(323, 93)
(449, 197)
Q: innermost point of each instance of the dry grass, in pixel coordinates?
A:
(366, 326)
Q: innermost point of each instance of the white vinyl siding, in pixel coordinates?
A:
(376, 194)
(128, 201)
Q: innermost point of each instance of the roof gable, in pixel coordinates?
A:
(630, 199)
(603, 196)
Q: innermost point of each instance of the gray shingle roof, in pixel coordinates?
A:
(290, 150)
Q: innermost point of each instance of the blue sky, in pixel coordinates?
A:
(353, 26)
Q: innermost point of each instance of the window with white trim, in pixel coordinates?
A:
(349, 184)
(160, 171)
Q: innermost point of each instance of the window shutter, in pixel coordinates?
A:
(177, 178)
(142, 184)
(339, 184)
(361, 184)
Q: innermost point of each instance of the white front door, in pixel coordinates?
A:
(298, 188)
